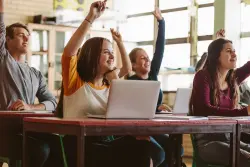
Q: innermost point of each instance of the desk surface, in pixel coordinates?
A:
(99, 127)
(124, 122)
(243, 122)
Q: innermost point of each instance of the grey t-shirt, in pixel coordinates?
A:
(19, 81)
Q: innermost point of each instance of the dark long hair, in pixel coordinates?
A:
(87, 66)
(212, 65)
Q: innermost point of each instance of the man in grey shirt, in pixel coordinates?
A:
(19, 83)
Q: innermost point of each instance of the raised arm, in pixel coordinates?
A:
(71, 79)
(1, 6)
(2, 30)
(160, 44)
(201, 99)
(243, 72)
(96, 9)
(126, 64)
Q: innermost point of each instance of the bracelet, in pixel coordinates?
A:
(88, 21)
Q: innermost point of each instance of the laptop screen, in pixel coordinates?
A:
(181, 105)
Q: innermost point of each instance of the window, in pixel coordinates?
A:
(200, 2)
(174, 81)
(103, 25)
(40, 39)
(245, 13)
(244, 51)
(135, 6)
(202, 47)
(176, 56)
(40, 62)
(138, 29)
(170, 4)
(206, 21)
(176, 27)
(129, 46)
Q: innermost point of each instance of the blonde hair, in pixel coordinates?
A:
(133, 54)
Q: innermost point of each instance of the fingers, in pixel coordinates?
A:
(18, 105)
(103, 5)
(11, 106)
(15, 105)
(116, 33)
(112, 31)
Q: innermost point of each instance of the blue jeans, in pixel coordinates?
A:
(157, 152)
(164, 143)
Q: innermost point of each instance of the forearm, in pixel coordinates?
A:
(1, 6)
(160, 42)
(159, 49)
(243, 72)
(37, 106)
(2, 36)
(76, 40)
(126, 64)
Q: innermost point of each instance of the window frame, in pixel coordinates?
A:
(183, 40)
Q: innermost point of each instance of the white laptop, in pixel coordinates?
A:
(131, 99)
(181, 106)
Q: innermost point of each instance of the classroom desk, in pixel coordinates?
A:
(242, 126)
(11, 124)
(98, 127)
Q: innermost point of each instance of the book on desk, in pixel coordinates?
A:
(30, 111)
(179, 117)
(232, 118)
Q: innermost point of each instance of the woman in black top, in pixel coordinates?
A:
(146, 70)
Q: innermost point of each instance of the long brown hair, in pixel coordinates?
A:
(87, 66)
(211, 65)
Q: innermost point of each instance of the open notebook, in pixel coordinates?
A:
(31, 111)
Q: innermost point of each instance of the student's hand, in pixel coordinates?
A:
(112, 74)
(143, 138)
(164, 107)
(19, 105)
(96, 10)
(157, 14)
(116, 35)
(220, 34)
